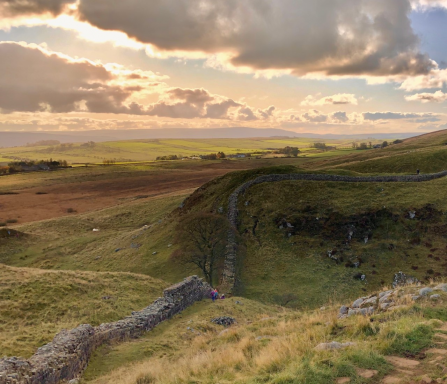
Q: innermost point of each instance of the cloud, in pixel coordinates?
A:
(267, 113)
(424, 4)
(435, 79)
(314, 117)
(344, 38)
(33, 79)
(339, 99)
(374, 116)
(437, 97)
(340, 116)
(433, 119)
(24, 7)
(246, 114)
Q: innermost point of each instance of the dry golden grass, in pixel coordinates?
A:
(281, 349)
(35, 304)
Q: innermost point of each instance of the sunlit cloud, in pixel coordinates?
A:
(436, 97)
(338, 99)
(353, 39)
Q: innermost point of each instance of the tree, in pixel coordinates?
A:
(397, 141)
(354, 145)
(321, 146)
(221, 155)
(203, 239)
(363, 146)
(290, 151)
(385, 144)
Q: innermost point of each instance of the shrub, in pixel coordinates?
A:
(11, 221)
(71, 210)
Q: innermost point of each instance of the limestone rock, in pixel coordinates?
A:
(343, 310)
(401, 279)
(332, 346)
(441, 287)
(386, 293)
(358, 303)
(224, 320)
(425, 291)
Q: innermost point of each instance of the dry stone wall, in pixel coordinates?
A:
(228, 279)
(68, 354)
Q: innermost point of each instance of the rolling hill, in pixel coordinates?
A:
(305, 247)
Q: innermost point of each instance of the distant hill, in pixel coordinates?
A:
(14, 139)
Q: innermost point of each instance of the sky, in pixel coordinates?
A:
(320, 66)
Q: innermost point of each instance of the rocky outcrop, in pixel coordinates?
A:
(228, 279)
(68, 354)
(389, 300)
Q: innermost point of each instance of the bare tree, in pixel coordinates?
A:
(202, 238)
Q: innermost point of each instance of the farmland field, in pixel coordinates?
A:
(147, 150)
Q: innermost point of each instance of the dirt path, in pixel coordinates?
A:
(431, 369)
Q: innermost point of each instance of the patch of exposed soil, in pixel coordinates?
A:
(40, 203)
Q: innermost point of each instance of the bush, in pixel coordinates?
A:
(11, 221)
(71, 210)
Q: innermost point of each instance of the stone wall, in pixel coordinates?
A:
(68, 354)
(228, 279)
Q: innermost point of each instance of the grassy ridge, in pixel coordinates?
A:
(36, 304)
(427, 161)
(267, 345)
(427, 153)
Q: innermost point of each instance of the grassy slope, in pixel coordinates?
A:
(144, 150)
(36, 304)
(272, 268)
(272, 347)
(276, 264)
(68, 243)
(427, 153)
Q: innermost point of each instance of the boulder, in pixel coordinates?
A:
(386, 293)
(333, 345)
(370, 301)
(401, 279)
(343, 310)
(441, 287)
(425, 291)
(224, 320)
(358, 303)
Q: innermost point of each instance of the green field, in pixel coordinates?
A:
(148, 150)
